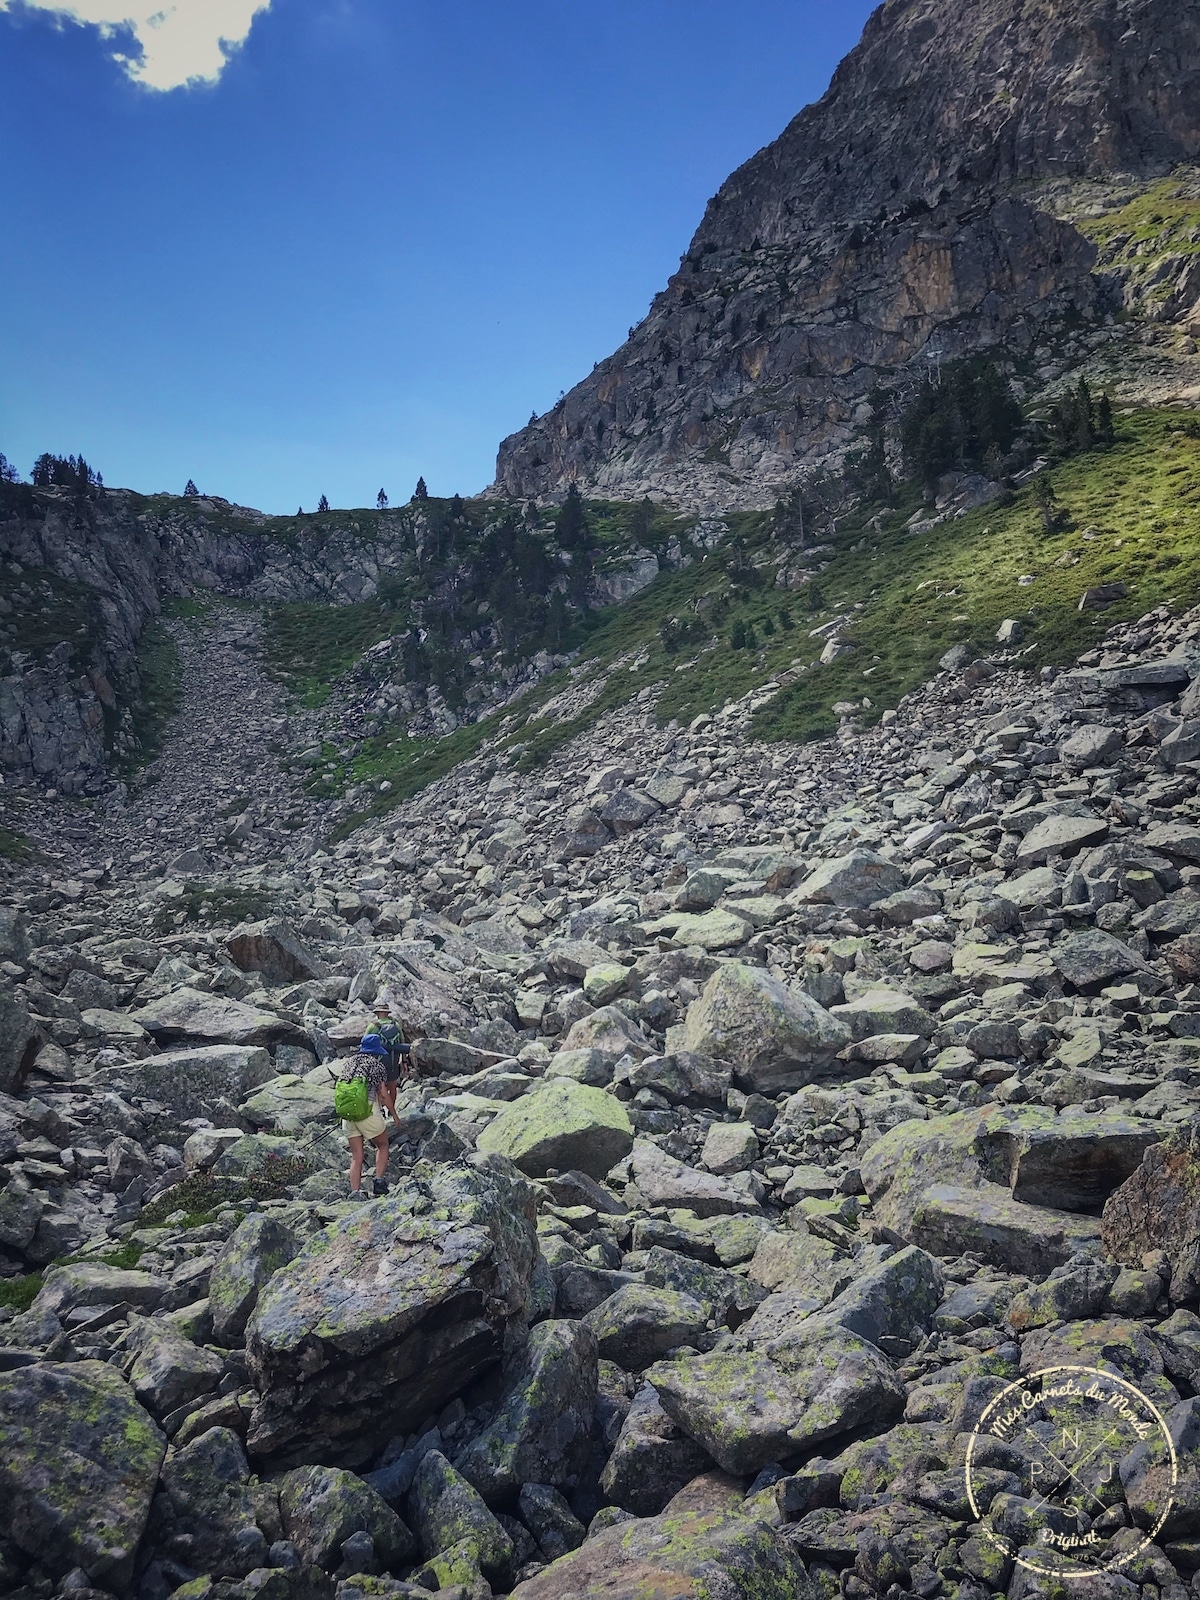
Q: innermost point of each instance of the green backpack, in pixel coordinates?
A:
(351, 1100)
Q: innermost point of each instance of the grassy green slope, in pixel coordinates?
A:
(1131, 514)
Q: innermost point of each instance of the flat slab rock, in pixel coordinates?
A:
(192, 1014)
(389, 1312)
(663, 1181)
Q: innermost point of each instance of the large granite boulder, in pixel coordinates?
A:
(275, 949)
(663, 1181)
(197, 1080)
(704, 1546)
(541, 1429)
(205, 1498)
(169, 1370)
(81, 1284)
(192, 1014)
(20, 1041)
(1018, 1183)
(1158, 1208)
(322, 1507)
(858, 880)
(652, 1458)
(748, 1407)
(448, 1513)
(79, 1461)
(777, 1038)
(250, 1257)
(389, 1312)
(561, 1125)
(290, 1102)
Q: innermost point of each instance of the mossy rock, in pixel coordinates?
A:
(561, 1126)
(79, 1461)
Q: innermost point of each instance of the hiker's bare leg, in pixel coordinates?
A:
(381, 1155)
(356, 1162)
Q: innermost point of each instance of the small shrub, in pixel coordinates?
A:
(18, 1294)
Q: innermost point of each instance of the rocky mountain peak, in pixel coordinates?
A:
(899, 214)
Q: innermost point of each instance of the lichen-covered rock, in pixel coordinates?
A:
(561, 1125)
(895, 1300)
(204, 1499)
(289, 1102)
(447, 1511)
(638, 1323)
(254, 1153)
(663, 1181)
(610, 1031)
(1151, 1485)
(652, 1459)
(776, 1037)
(321, 1507)
(858, 880)
(703, 1546)
(169, 1370)
(751, 1407)
(79, 1460)
(1006, 1181)
(1158, 1208)
(388, 1313)
(250, 1257)
(541, 1429)
(951, 1220)
(1088, 960)
(79, 1284)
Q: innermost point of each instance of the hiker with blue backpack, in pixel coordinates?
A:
(385, 1028)
(360, 1095)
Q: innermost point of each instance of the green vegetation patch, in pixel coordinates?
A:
(1128, 514)
(1167, 216)
(40, 611)
(724, 626)
(308, 646)
(213, 905)
(160, 675)
(16, 847)
(18, 1294)
(185, 609)
(203, 1194)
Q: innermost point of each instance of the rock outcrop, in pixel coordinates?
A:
(919, 209)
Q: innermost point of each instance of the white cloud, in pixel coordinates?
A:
(182, 41)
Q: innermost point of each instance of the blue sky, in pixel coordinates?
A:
(366, 242)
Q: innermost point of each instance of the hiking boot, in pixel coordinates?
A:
(358, 1194)
(382, 1186)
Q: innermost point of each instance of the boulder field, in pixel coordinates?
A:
(775, 1114)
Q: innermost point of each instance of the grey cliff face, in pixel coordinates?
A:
(899, 215)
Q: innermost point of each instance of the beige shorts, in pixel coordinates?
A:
(369, 1128)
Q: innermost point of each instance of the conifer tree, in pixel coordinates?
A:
(421, 492)
(381, 500)
(1106, 432)
(323, 504)
(571, 524)
(190, 490)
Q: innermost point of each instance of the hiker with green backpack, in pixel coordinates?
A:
(360, 1093)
